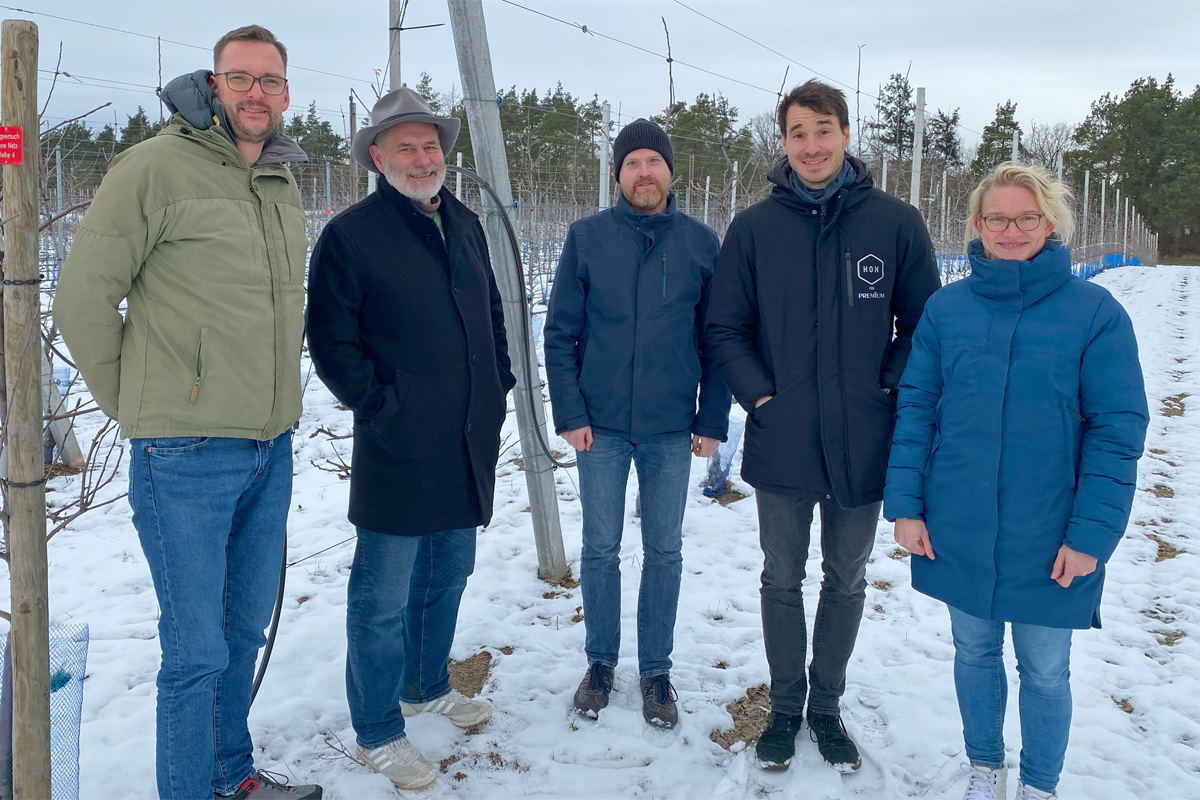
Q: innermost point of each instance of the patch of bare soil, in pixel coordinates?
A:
(1174, 406)
(899, 554)
(1124, 704)
(1169, 638)
(1166, 550)
(750, 716)
(59, 469)
(1161, 490)
(562, 583)
(731, 496)
(469, 675)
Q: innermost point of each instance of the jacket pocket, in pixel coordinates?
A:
(295, 242)
(198, 377)
(395, 434)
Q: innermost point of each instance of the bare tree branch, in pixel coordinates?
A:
(73, 119)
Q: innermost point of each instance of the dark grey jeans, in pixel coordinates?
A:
(847, 535)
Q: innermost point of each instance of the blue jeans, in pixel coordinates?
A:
(663, 466)
(211, 515)
(401, 609)
(1044, 665)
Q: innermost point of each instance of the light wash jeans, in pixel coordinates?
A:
(1043, 663)
(663, 466)
(211, 515)
(401, 609)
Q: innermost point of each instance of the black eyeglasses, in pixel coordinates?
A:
(999, 224)
(244, 81)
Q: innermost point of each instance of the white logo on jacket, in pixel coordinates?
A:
(870, 269)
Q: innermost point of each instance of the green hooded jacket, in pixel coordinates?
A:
(210, 255)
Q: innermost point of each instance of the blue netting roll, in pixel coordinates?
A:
(68, 663)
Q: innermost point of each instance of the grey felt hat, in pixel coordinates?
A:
(400, 105)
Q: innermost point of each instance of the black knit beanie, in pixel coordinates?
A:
(636, 135)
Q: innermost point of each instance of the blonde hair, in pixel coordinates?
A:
(1053, 198)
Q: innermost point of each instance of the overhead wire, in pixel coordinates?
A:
(591, 32)
(788, 58)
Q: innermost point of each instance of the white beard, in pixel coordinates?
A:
(408, 187)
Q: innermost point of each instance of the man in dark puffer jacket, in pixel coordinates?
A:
(816, 295)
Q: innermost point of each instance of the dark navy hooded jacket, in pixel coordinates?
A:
(816, 305)
(625, 343)
(1022, 415)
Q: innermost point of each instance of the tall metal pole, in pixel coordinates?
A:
(487, 141)
(1058, 166)
(328, 191)
(858, 103)
(733, 193)
(1125, 234)
(394, 9)
(1116, 228)
(1016, 145)
(1103, 197)
(914, 191)
(605, 148)
(59, 198)
(943, 215)
(1083, 237)
(353, 163)
(885, 173)
(707, 187)
(458, 177)
(26, 488)
(687, 202)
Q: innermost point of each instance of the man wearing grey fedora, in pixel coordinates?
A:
(406, 328)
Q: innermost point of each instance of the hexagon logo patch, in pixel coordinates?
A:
(870, 269)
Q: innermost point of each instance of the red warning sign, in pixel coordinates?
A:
(11, 144)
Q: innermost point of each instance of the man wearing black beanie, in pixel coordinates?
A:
(626, 353)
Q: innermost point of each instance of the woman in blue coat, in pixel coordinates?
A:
(1021, 418)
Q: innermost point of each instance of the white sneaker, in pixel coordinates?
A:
(402, 763)
(1029, 793)
(461, 710)
(985, 783)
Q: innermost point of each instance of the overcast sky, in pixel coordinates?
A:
(1052, 58)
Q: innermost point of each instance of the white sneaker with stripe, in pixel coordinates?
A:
(461, 710)
(402, 763)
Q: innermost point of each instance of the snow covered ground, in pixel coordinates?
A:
(1136, 682)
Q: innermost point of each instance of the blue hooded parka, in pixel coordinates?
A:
(1021, 417)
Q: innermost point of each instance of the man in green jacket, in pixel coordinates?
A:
(201, 231)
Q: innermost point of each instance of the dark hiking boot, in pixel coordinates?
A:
(593, 691)
(658, 702)
(777, 744)
(264, 785)
(832, 740)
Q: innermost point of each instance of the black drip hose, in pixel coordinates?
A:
(266, 656)
(531, 389)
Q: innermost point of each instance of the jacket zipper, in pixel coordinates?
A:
(199, 367)
(849, 281)
(664, 263)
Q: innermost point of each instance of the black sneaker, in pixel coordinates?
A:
(777, 744)
(593, 691)
(658, 702)
(834, 743)
(263, 785)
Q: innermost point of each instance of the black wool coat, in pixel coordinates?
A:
(817, 305)
(408, 331)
